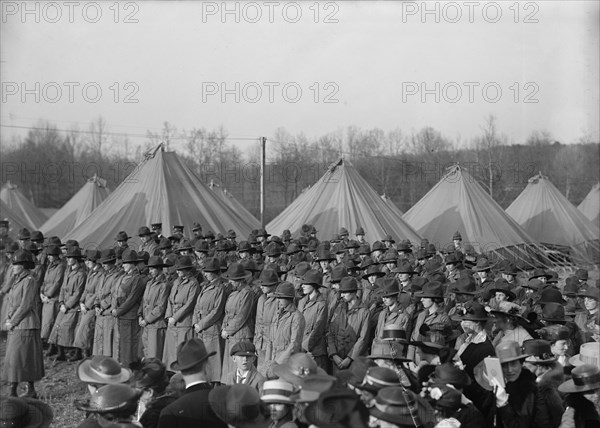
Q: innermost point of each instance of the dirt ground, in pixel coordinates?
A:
(59, 388)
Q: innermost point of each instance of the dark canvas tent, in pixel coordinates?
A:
(15, 223)
(590, 206)
(342, 198)
(458, 203)
(27, 212)
(161, 189)
(77, 208)
(236, 206)
(549, 217)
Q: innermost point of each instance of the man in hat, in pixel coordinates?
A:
(266, 308)
(457, 242)
(122, 239)
(84, 333)
(192, 409)
(177, 233)
(454, 267)
(151, 312)
(360, 236)
(243, 355)
(208, 314)
(287, 328)
(197, 232)
(180, 308)
(349, 327)
(124, 307)
(377, 251)
(49, 292)
(23, 237)
(148, 244)
(63, 333)
(157, 232)
(313, 307)
(103, 334)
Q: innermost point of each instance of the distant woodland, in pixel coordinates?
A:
(49, 165)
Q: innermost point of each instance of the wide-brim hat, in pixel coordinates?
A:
(539, 351)
(448, 373)
(109, 399)
(471, 311)
(508, 309)
(107, 255)
(502, 286)
(392, 350)
(589, 353)
(156, 262)
(510, 351)
(299, 362)
(404, 267)
(285, 290)
(537, 273)
(433, 290)
(238, 405)
(277, 391)
(396, 405)
(465, 284)
(377, 378)
(554, 312)
(584, 378)
(312, 277)
(236, 272)
(482, 265)
(25, 412)
(373, 270)
(102, 370)
(189, 354)
(267, 278)
(590, 291)
(332, 408)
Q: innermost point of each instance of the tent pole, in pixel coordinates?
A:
(263, 141)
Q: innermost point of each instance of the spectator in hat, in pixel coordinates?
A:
(63, 333)
(100, 370)
(192, 409)
(25, 413)
(148, 244)
(208, 315)
(558, 337)
(197, 233)
(586, 320)
(23, 361)
(276, 394)
(393, 313)
(313, 307)
(180, 308)
(150, 377)
(517, 403)
(84, 333)
(178, 232)
(151, 312)
(126, 299)
(432, 297)
(287, 328)
(508, 323)
(399, 407)
(237, 322)
(49, 292)
(157, 232)
(113, 404)
(375, 379)
(23, 237)
(549, 375)
(377, 251)
(105, 322)
(582, 398)
(122, 239)
(349, 327)
(454, 267)
(243, 355)
(238, 406)
(266, 308)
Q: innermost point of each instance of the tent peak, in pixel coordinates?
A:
(151, 153)
(539, 176)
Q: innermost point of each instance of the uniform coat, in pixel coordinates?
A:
(152, 311)
(51, 288)
(126, 301)
(266, 308)
(180, 306)
(24, 361)
(347, 334)
(63, 333)
(208, 316)
(237, 322)
(314, 312)
(396, 316)
(429, 318)
(286, 334)
(103, 334)
(84, 333)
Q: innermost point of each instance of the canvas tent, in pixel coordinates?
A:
(77, 208)
(30, 215)
(549, 217)
(391, 204)
(590, 206)
(236, 206)
(342, 198)
(458, 203)
(15, 222)
(160, 189)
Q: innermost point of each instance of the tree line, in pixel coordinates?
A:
(50, 165)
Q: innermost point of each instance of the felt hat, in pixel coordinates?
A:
(502, 286)
(359, 231)
(236, 272)
(23, 234)
(554, 332)
(398, 406)
(300, 269)
(285, 290)
(263, 233)
(390, 256)
(267, 278)
(448, 373)
(243, 348)
(377, 378)
(591, 292)
(465, 284)
(554, 312)
(352, 244)
(333, 407)
(394, 332)
(389, 287)
(143, 231)
(538, 273)
(190, 353)
(53, 250)
(25, 412)
(392, 350)
(107, 255)
(404, 267)
(482, 265)
(364, 250)
(343, 232)
(23, 257)
(509, 351)
(539, 351)
(571, 286)
(584, 378)
(292, 249)
(433, 289)
(156, 262)
(102, 370)
(508, 309)
(196, 227)
(164, 243)
(338, 273)
(297, 366)
(93, 255)
(128, 256)
(404, 246)
(510, 269)
(273, 250)
(277, 391)
(551, 295)
(378, 246)
(388, 238)
(373, 270)
(452, 258)
(149, 373)
(74, 252)
(37, 235)
(313, 277)
(472, 311)
(534, 284)
(244, 246)
(348, 284)
(323, 254)
(110, 399)
(121, 236)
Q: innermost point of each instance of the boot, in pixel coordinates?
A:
(60, 355)
(52, 350)
(30, 391)
(13, 389)
(76, 356)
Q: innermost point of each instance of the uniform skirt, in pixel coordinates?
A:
(173, 337)
(84, 333)
(24, 361)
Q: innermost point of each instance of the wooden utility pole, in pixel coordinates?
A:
(263, 141)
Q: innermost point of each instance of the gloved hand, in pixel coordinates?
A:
(500, 392)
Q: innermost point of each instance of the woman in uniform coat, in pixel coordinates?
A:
(24, 358)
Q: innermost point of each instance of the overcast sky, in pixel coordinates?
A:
(370, 60)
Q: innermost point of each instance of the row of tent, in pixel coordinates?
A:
(163, 189)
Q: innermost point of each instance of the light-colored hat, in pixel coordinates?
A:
(277, 391)
(589, 353)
